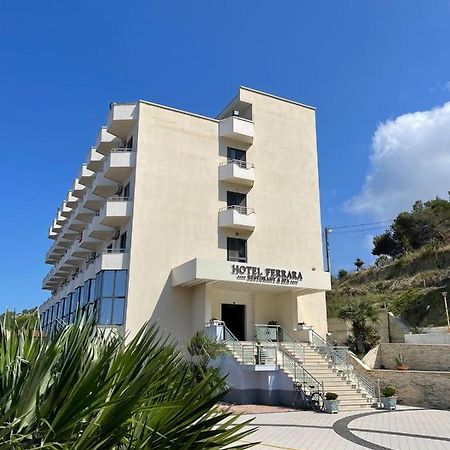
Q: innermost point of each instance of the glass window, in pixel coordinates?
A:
(118, 312)
(236, 199)
(105, 311)
(123, 241)
(120, 283)
(108, 283)
(98, 285)
(126, 191)
(237, 250)
(93, 284)
(235, 153)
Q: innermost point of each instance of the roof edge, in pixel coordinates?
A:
(256, 91)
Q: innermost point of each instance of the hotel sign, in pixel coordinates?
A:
(267, 275)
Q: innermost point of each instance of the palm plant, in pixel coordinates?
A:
(362, 313)
(84, 389)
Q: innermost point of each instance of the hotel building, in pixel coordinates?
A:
(183, 220)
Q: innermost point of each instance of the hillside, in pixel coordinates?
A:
(412, 269)
(410, 287)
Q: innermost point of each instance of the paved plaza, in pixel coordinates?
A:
(406, 428)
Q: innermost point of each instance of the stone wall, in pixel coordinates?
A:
(427, 357)
(389, 327)
(425, 389)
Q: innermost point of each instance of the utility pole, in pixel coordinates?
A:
(327, 247)
(444, 294)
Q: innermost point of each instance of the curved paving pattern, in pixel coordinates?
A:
(407, 428)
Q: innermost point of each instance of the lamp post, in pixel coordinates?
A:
(444, 294)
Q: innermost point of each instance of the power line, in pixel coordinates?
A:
(360, 224)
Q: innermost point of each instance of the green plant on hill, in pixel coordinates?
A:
(426, 224)
(363, 314)
(83, 390)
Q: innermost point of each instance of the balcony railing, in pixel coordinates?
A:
(239, 163)
(240, 209)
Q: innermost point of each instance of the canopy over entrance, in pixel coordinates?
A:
(240, 276)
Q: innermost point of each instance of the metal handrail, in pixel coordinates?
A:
(121, 149)
(114, 250)
(296, 349)
(239, 163)
(118, 198)
(240, 209)
(338, 356)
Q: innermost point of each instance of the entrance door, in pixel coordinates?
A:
(234, 318)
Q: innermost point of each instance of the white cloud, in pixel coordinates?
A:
(409, 161)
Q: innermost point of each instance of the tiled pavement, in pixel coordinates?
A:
(406, 428)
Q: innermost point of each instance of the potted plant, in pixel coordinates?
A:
(331, 403)
(389, 400)
(400, 362)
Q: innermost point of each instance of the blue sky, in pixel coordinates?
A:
(362, 63)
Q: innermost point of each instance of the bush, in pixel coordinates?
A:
(331, 396)
(388, 391)
(342, 274)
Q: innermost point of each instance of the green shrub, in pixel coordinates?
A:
(388, 391)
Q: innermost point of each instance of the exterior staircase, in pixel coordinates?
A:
(311, 364)
(352, 397)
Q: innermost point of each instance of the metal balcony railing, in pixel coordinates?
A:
(239, 163)
(240, 209)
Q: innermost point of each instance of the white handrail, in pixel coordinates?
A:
(239, 163)
(240, 209)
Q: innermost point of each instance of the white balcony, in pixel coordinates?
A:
(116, 211)
(237, 128)
(71, 200)
(92, 201)
(106, 141)
(65, 210)
(97, 230)
(78, 189)
(237, 217)
(56, 250)
(54, 230)
(113, 259)
(119, 164)
(81, 213)
(237, 172)
(75, 225)
(60, 219)
(104, 186)
(94, 160)
(121, 119)
(85, 175)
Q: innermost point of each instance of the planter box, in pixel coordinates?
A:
(331, 406)
(389, 403)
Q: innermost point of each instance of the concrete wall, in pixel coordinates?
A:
(428, 338)
(389, 327)
(418, 356)
(256, 384)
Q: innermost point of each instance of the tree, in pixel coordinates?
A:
(358, 263)
(362, 313)
(342, 274)
(382, 261)
(385, 244)
(83, 390)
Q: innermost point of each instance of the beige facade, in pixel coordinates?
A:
(153, 201)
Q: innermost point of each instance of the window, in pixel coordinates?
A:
(236, 199)
(111, 290)
(235, 153)
(237, 250)
(126, 191)
(123, 241)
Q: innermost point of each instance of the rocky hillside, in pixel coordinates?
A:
(410, 286)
